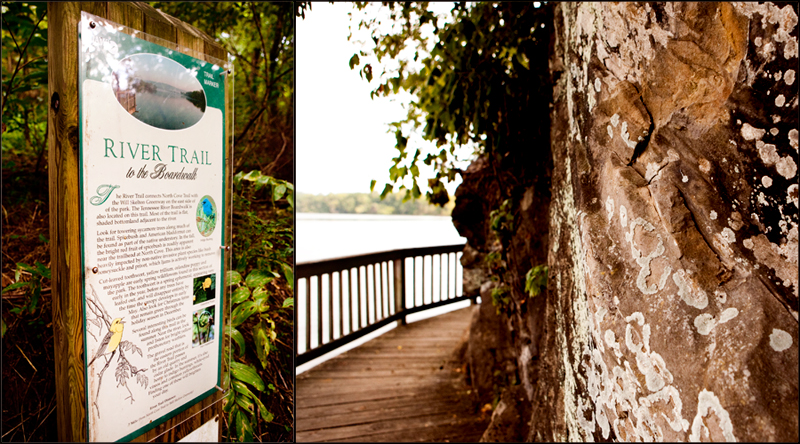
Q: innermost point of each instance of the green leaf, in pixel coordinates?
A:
(262, 343)
(260, 296)
(4, 328)
(237, 337)
(263, 181)
(17, 285)
(252, 176)
(258, 278)
(233, 277)
(262, 409)
(242, 312)
(536, 280)
(243, 427)
(248, 396)
(288, 302)
(229, 401)
(25, 267)
(278, 191)
(288, 273)
(354, 61)
(240, 295)
(232, 415)
(372, 185)
(238, 177)
(247, 373)
(387, 189)
(242, 400)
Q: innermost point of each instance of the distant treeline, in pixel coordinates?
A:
(363, 203)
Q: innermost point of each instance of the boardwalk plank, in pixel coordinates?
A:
(402, 386)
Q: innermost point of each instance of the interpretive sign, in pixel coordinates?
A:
(152, 186)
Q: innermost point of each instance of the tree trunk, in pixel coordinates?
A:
(671, 311)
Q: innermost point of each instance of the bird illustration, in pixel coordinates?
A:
(111, 340)
(208, 209)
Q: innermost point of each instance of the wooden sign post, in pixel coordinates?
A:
(140, 136)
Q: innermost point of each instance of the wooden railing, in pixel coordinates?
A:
(364, 293)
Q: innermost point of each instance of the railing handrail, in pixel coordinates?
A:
(314, 268)
(397, 258)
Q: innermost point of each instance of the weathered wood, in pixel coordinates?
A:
(64, 194)
(401, 386)
(126, 14)
(65, 198)
(372, 405)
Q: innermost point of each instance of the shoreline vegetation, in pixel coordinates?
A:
(368, 203)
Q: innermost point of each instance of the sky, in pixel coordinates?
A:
(342, 135)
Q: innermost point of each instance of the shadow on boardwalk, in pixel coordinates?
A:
(405, 385)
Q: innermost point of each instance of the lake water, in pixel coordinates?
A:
(326, 236)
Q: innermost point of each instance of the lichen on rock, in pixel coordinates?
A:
(672, 242)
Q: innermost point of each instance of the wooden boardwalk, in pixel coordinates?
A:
(405, 385)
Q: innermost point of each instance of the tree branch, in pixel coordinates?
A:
(268, 170)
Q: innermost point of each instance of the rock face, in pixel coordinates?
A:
(671, 311)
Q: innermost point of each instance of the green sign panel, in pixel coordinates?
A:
(152, 183)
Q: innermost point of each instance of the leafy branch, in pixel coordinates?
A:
(21, 53)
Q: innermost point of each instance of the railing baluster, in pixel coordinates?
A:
(329, 304)
(379, 291)
(370, 303)
(319, 309)
(432, 280)
(414, 280)
(447, 285)
(459, 288)
(308, 314)
(375, 298)
(341, 306)
(358, 291)
(383, 292)
(442, 296)
(422, 283)
(388, 296)
(447, 282)
(353, 316)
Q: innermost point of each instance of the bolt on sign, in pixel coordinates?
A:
(152, 186)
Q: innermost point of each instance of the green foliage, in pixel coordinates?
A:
(501, 220)
(265, 239)
(277, 188)
(260, 36)
(32, 286)
(24, 69)
(494, 261)
(261, 322)
(251, 307)
(480, 78)
(362, 203)
(536, 280)
(501, 298)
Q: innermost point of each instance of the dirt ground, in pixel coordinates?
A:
(28, 373)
